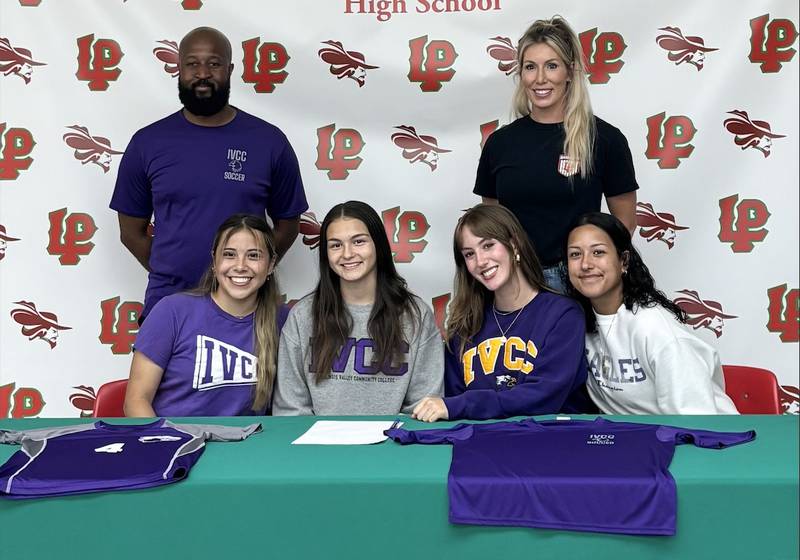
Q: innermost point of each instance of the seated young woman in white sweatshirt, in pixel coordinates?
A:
(642, 360)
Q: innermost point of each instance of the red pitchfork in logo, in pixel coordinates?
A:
(656, 225)
(691, 50)
(416, 148)
(749, 133)
(168, 54)
(504, 53)
(16, 60)
(344, 63)
(702, 312)
(37, 324)
(310, 229)
(90, 149)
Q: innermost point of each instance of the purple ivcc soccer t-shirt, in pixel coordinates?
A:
(601, 476)
(206, 354)
(191, 178)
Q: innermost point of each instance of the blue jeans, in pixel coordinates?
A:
(552, 277)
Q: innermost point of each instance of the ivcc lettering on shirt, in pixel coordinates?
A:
(364, 363)
(218, 364)
(515, 352)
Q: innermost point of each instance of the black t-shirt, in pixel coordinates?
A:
(519, 167)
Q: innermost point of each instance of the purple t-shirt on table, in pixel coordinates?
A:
(206, 354)
(192, 178)
(601, 475)
(540, 369)
(100, 457)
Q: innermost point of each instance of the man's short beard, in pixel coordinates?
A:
(205, 106)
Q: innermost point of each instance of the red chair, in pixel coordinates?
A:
(753, 390)
(109, 400)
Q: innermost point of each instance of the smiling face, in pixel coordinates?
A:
(489, 262)
(545, 77)
(351, 252)
(241, 266)
(595, 268)
(204, 73)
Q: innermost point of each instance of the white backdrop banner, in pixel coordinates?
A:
(389, 102)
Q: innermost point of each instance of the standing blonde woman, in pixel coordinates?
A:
(557, 160)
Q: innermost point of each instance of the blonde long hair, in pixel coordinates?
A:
(579, 124)
(265, 321)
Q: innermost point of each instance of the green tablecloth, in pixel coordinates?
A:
(265, 498)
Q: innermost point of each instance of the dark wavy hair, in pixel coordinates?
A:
(638, 285)
(393, 301)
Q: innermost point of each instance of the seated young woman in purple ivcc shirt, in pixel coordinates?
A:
(213, 351)
(513, 346)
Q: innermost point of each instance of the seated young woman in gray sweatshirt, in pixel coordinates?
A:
(361, 343)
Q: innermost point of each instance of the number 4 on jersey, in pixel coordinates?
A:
(110, 448)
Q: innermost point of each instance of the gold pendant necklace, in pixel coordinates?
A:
(503, 332)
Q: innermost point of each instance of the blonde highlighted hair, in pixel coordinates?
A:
(265, 320)
(579, 124)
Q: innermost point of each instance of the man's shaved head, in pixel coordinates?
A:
(223, 45)
(205, 72)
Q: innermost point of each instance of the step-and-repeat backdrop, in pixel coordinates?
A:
(389, 102)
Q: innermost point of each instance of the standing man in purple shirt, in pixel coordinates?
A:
(194, 168)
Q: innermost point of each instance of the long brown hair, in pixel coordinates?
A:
(470, 297)
(393, 302)
(579, 125)
(265, 320)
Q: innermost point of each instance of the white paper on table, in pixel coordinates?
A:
(345, 432)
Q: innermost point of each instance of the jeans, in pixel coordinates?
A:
(552, 277)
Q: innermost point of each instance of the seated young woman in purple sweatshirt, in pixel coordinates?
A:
(514, 347)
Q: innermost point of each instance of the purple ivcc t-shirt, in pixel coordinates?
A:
(206, 354)
(601, 476)
(191, 178)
